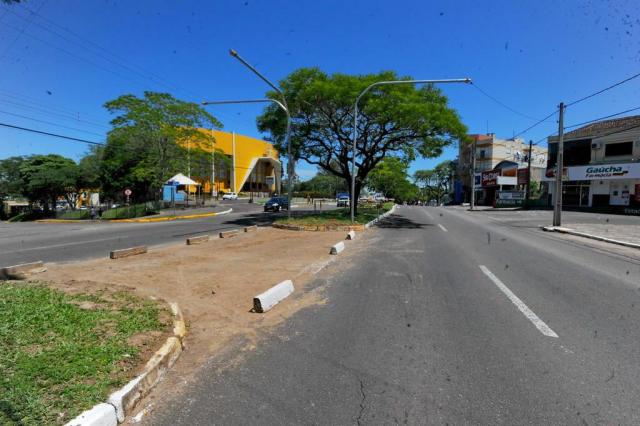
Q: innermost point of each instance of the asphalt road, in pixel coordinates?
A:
(450, 317)
(55, 242)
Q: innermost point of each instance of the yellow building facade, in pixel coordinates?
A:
(254, 164)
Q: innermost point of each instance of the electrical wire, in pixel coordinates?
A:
(603, 90)
(602, 118)
(50, 123)
(502, 103)
(535, 124)
(26, 129)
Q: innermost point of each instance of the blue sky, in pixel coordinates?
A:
(528, 54)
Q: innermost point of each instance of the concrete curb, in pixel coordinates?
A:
(197, 240)
(351, 235)
(337, 248)
(121, 402)
(382, 216)
(117, 254)
(171, 218)
(267, 300)
(229, 234)
(357, 227)
(570, 231)
(22, 271)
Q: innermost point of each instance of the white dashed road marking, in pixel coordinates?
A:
(531, 316)
(443, 228)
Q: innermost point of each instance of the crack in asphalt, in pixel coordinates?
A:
(364, 396)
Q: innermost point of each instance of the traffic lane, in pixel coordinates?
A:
(88, 241)
(408, 334)
(594, 314)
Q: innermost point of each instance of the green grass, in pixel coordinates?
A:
(75, 215)
(129, 212)
(341, 216)
(58, 359)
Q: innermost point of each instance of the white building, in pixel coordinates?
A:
(601, 165)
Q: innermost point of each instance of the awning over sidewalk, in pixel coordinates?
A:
(181, 179)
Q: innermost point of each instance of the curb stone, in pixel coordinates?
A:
(22, 271)
(351, 235)
(117, 254)
(120, 403)
(382, 216)
(337, 248)
(267, 300)
(570, 231)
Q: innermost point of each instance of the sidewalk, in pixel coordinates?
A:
(626, 235)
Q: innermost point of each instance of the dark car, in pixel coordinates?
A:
(276, 204)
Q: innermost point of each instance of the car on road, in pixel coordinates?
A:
(230, 196)
(342, 200)
(275, 204)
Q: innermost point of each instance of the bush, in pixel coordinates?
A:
(28, 216)
(129, 212)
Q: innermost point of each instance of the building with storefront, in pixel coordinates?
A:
(601, 165)
(253, 165)
(500, 164)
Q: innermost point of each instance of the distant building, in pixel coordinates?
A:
(254, 165)
(504, 159)
(601, 165)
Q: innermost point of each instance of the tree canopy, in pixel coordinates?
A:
(44, 178)
(390, 178)
(143, 148)
(399, 120)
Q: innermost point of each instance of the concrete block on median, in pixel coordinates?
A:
(22, 271)
(267, 300)
(117, 254)
(229, 234)
(337, 248)
(351, 235)
(100, 415)
(250, 228)
(197, 240)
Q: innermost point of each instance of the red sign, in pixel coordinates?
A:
(522, 176)
(490, 178)
(127, 192)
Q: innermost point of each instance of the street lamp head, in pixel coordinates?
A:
(233, 53)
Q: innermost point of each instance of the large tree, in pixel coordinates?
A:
(11, 183)
(47, 177)
(390, 178)
(436, 182)
(399, 120)
(146, 145)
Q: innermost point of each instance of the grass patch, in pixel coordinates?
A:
(129, 212)
(61, 354)
(75, 215)
(341, 216)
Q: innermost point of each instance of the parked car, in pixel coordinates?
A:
(342, 200)
(230, 196)
(276, 204)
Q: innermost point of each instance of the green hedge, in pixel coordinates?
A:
(75, 215)
(129, 212)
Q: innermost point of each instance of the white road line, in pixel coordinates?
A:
(443, 228)
(69, 244)
(428, 215)
(544, 328)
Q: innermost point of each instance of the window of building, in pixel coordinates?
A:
(617, 149)
(482, 153)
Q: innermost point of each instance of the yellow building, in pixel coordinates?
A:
(254, 164)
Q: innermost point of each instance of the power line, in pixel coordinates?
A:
(54, 114)
(604, 90)
(49, 122)
(26, 129)
(602, 118)
(535, 124)
(502, 103)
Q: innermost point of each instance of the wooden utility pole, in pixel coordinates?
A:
(557, 207)
(528, 193)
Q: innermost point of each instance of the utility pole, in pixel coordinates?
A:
(557, 208)
(528, 193)
(473, 174)
(213, 166)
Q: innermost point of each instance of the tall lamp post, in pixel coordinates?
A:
(355, 124)
(287, 139)
(290, 165)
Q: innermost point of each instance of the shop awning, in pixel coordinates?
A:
(181, 179)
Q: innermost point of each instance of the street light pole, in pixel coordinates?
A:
(557, 208)
(355, 124)
(287, 137)
(287, 140)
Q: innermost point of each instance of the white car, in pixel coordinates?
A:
(230, 196)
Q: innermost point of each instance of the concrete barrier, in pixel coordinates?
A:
(117, 254)
(267, 300)
(100, 415)
(250, 228)
(351, 235)
(22, 271)
(197, 240)
(337, 248)
(229, 234)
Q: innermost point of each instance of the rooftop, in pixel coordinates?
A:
(602, 128)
